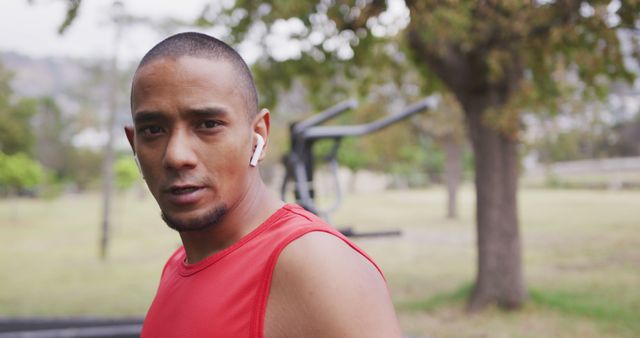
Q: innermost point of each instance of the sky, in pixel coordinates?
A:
(31, 29)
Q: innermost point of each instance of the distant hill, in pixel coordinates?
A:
(77, 86)
(43, 76)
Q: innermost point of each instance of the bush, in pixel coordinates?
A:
(19, 173)
(126, 173)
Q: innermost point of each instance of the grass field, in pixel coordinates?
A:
(581, 260)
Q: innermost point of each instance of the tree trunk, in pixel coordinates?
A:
(499, 275)
(109, 155)
(466, 73)
(452, 173)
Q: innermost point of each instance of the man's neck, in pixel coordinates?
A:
(240, 220)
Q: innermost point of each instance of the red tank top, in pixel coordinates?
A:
(225, 294)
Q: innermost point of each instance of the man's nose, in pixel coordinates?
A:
(179, 153)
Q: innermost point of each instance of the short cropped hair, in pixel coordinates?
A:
(204, 46)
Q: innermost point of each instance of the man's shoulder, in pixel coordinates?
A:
(324, 248)
(313, 242)
(299, 214)
(318, 243)
(325, 282)
(295, 221)
(325, 257)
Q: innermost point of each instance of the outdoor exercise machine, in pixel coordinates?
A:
(300, 161)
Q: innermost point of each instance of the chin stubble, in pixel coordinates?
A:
(206, 221)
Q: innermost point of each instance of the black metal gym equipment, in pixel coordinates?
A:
(299, 162)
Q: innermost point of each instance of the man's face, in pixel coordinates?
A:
(193, 138)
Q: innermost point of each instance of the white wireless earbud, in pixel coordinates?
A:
(258, 151)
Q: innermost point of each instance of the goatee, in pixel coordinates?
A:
(203, 222)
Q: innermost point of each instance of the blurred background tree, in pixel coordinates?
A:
(19, 172)
(16, 134)
(53, 138)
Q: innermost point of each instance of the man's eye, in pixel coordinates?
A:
(209, 124)
(151, 130)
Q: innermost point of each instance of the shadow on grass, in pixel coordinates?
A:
(604, 311)
(619, 317)
(426, 305)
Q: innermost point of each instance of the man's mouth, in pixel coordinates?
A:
(183, 190)
(184, 194)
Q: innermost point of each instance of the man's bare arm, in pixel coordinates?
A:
(323, 288)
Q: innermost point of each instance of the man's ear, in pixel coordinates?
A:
(262, 126)
(128, 130)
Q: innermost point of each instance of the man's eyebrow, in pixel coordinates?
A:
(146, 116)
(208, 112)
(149, 116)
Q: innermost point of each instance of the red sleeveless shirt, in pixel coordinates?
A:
(225, 294)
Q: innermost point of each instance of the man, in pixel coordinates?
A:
(250, 265)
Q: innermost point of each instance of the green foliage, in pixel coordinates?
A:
(351, 153)
(72, 12)
(543, 35)
(19, 172)
(126, 173)
(15, 132)
(418, 163)
(15, 114)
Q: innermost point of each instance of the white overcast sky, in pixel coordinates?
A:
(32, 29)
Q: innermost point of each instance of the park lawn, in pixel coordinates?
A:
(581, 260)
(583, 180)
